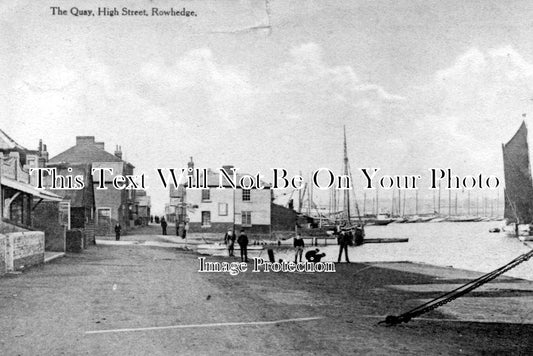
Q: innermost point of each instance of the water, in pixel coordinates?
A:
(467, 245)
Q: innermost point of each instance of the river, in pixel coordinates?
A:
(464, 245)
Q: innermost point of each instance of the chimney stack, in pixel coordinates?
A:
(227, 169)
(44, 153)
(190, 166)
(84, 140)
(118, 151)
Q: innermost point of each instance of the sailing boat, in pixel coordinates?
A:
(518, 181)
(347, 219)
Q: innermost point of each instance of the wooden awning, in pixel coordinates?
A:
(29, 189)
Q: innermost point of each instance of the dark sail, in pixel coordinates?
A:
(518, 182)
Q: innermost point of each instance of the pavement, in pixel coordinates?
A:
(137, 298)
(50, 256)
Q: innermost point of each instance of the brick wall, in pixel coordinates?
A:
(113, 199)
(45, 217)
(75, 240)
(24, 249)
(89, 234)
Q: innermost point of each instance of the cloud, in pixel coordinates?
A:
(306, 70)
(471, 107)
(197, 83)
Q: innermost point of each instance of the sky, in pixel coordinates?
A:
(417, 84)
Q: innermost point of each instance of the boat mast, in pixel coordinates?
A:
(346, 174)
(416, 202)
(439, 199)
(403, 205)
(468, 203)
(392, 204)
(450, 202)
(377, 202)
(455, 204)
(300, 198)
(399, 202)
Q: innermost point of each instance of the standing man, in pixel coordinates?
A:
(229, 240)
(118, 228)
(243, 244)
(299, 246)
(164, 225)
(344, 241)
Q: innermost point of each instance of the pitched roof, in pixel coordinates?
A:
(79, 198)
(7, 142)
(84, 154)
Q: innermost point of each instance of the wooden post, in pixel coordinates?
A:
(1, 190)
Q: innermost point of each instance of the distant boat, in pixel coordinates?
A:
(463, 219)
(413, 219)
(382, 222)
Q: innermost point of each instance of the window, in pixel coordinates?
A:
(246, 217)
(206, 218)
(206, 194)
(246, 195)
(103, 216)
(222, 209)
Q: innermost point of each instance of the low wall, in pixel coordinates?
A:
(3, 249)
(6, 228)
(24, 249)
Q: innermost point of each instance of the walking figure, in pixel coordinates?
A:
(299, 246)
(229, 240)
(118, 228)
(164, 225)
(243, 244)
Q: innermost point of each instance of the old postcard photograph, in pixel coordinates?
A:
(266, 177)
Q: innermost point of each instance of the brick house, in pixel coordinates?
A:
(110, 205)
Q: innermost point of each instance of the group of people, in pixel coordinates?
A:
(242, 240)
(346, 237)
